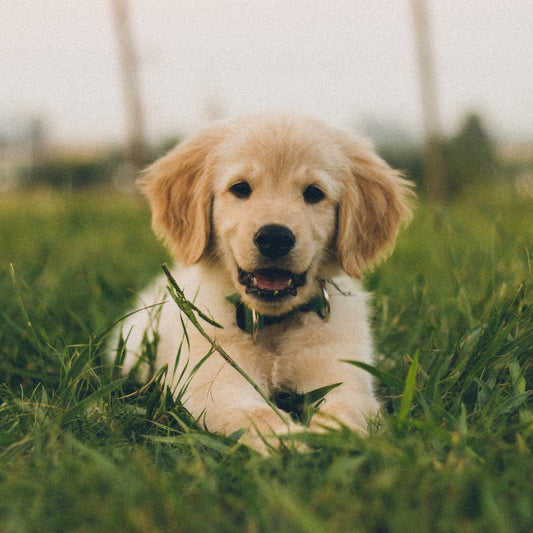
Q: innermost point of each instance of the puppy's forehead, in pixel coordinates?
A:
(276, 149)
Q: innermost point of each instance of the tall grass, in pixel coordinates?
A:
(82, 449)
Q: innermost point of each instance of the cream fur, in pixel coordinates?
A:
(211, 232)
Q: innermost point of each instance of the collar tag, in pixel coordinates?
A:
(326, 305)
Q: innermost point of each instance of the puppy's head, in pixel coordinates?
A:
(279, 202)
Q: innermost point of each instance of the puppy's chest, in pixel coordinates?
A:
(280, 354)
(276, 370)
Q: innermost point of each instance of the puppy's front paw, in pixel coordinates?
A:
(336, 416)
(266, 430)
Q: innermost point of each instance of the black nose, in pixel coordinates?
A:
(274, 241)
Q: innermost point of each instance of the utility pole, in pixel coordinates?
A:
(434, 165)
(136, 147)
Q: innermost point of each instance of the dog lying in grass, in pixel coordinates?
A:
(272, 219)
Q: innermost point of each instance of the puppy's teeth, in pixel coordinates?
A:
(289, 285)
(254, 281)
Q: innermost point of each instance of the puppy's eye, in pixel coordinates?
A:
(313, 195)
(241, 189)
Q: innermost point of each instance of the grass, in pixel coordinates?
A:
(83, 450)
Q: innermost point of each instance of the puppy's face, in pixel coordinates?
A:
(276, 196)
(279, 202)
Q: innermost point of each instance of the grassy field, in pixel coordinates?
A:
(81, 450)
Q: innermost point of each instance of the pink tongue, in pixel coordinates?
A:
(271, 284)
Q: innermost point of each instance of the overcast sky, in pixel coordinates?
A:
(346, 61)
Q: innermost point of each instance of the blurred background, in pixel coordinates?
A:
(91, 91)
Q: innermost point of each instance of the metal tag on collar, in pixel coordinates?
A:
(325, 296)
(256, 326)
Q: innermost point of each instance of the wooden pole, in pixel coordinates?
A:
(434, 166)
(136, 146)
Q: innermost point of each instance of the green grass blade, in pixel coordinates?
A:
(37, 344)
(390, 380)
(409, 389)
(90, 400)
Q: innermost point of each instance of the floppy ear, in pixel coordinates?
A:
(178, 187)
(374, 204)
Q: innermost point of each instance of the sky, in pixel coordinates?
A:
(345, 61)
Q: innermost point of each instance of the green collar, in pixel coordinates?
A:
(251, 321)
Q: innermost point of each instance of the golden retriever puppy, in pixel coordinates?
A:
(277, 213)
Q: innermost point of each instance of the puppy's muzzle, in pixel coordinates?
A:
(274, 241)
(271, 283)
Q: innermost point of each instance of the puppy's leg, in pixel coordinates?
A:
(226, 402)
(315, 363)
(346, 408)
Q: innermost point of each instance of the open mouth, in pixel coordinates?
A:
(271, 283)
